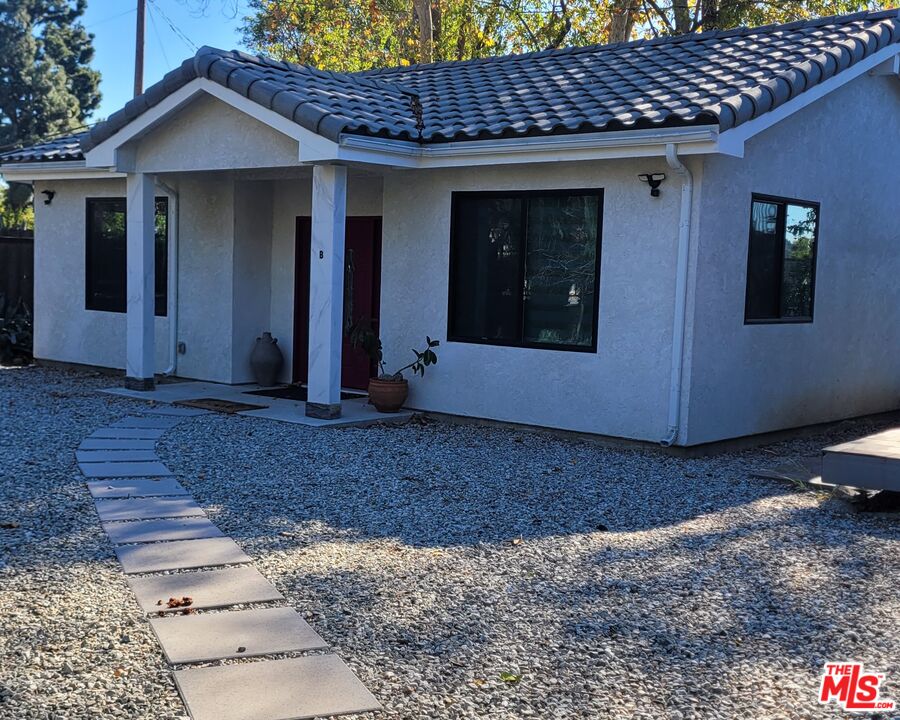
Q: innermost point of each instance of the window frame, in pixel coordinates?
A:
(783, 202)
(88, 275)
(455, 196)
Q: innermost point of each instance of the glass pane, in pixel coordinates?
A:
(161, 267)
(560, 269)
(799, 248)
(485, 288)
(106, 255)
(763, 268)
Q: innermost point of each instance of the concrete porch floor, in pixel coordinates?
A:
(356, 412)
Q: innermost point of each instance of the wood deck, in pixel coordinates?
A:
(871, 462)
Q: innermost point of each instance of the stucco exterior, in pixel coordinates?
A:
(622, 389)
(236, 261)
(842, 152)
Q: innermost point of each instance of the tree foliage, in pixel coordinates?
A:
(46, 84)
(349, 35)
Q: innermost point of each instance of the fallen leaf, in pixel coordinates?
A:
(510, 677)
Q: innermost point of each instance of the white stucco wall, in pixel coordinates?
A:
(620, 390)
(63, 329)
(843, 152)
(211, 135)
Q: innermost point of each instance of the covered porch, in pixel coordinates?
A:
(257, 241)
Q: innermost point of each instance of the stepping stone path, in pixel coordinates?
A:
(166, 544)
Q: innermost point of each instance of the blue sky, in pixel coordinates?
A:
(112, 23)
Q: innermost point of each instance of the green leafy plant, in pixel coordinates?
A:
(363, 337)
(15, 332)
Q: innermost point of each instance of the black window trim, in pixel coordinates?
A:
(780, 200)
(565, 192)
(87, 263)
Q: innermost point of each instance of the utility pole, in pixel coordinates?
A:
(139, 49)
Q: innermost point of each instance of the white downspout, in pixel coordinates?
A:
(681, 283)
(172, 309)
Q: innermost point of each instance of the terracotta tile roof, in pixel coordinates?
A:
(721, 78)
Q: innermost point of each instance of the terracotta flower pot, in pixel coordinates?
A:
(388, 396)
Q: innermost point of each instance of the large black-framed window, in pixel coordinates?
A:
(525, 268)
(105, 281)
(781, 263)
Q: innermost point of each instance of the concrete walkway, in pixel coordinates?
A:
(355, 412)
(179, 562)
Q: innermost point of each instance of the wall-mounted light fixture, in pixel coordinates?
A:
(50, 195)
(654, 180)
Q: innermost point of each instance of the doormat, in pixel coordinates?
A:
(297, 392)
(223, 406)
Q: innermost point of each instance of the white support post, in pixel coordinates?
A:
(326, 291)
(140, 287)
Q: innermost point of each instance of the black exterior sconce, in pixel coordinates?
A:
(654, 180)
(50, 195)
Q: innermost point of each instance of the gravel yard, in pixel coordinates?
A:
(461, 571)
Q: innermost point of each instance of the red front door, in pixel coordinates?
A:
(362, 290)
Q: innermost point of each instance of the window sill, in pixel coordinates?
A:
(780, 321)
(525, 346)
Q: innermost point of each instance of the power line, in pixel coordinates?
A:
(111, 17)
(159, 41)
(178, 33)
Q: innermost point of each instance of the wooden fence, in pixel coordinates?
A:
(16, 268)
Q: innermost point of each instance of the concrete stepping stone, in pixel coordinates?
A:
(141, 487)
(306, 687)
(174, 411)
(117, 444)
(180, 555)
(142, 531)
(146, 508)
(128, 433)
(243, 633)
(88, 456)
(159, 423)
(124, 469)
(207, 589)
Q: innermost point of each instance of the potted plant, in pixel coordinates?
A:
(388, 391)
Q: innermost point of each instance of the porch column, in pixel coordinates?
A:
(140, 289)
(326, 290)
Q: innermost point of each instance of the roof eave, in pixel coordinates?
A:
(535, 149)
(54, 170)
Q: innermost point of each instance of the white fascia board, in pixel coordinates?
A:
(106, 154)
(732, 141)
(63, 170)
(889, 67)
(556, 148)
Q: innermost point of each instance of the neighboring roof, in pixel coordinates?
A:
(56, 150)
(721, 78)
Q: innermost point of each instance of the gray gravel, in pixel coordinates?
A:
(439, 559)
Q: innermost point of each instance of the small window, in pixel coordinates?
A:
(525, 268)
(106, 263)
(781, 266)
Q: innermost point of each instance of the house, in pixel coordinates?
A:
(679, 240)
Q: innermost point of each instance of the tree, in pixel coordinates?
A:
(348, 35)
(16, 211)
(46, 84)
